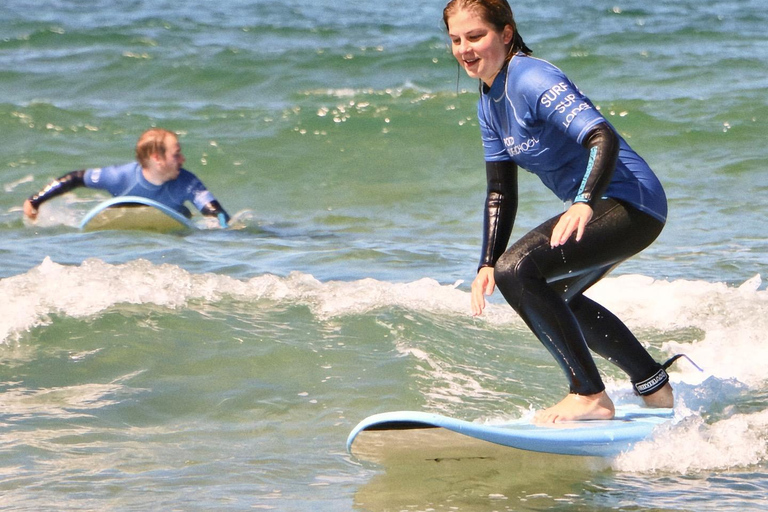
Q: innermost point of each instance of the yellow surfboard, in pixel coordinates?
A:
(135, 213)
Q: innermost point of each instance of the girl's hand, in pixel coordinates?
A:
(483, 285)
(574, 219)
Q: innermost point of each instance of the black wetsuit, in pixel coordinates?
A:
(545, 285)
(534, 117)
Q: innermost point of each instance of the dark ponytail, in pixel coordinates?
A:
(518, 45)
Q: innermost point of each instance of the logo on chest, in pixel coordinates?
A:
(523, 147)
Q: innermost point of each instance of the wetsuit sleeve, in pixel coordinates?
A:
(500, 210)
(214, 209)
(603, 145)
(58, 187)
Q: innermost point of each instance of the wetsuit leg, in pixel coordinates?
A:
(608, 336)
(545, 285)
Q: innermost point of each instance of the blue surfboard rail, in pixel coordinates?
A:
(601, 438)
(132, 201)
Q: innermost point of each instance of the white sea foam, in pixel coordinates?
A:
(95, 286)
(691, 445)
(732, 320)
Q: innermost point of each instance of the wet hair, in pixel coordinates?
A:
(152, 142)
(496, 13)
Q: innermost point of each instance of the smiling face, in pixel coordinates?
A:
(478, 46)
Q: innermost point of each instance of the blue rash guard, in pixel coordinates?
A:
(128, 180)
(523, 117)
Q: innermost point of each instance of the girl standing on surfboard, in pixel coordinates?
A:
(532, 116)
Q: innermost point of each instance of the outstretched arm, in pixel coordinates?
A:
(55, 188)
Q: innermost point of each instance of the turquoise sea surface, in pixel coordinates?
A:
(223, 369)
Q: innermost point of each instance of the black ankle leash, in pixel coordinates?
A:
(669, 362)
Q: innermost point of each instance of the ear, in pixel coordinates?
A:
(507, 34)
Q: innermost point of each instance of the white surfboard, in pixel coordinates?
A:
(597, 438)
(135, 213)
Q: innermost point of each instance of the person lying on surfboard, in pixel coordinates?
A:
(532, 116)
(157, 174)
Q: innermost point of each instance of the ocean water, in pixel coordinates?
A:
(223, 370)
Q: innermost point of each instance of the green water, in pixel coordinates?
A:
(223, 370)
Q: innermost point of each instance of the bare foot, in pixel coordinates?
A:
(578, 407)
(663, 398)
